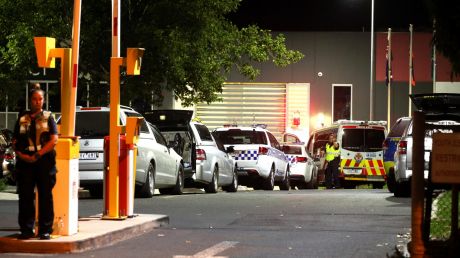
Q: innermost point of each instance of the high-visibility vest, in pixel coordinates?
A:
(331, 152)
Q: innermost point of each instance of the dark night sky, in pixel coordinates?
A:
(333, 15)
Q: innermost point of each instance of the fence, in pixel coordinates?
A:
(7, 120)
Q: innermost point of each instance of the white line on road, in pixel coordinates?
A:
(211, 251)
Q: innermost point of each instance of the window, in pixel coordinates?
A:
(144, 128)
(341, 101)
(290, 149)
(273, 142)
(158, 136)
(398, 129)
(92, 124)
(361, 139)
(204, 133)
(237, 136)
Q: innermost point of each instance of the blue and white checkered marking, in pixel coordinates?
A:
(291, 158)
(246, 155)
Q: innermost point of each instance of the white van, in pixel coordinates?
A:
(361, 152)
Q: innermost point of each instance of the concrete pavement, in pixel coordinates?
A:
(93, 232)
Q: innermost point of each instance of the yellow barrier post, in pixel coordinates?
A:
(65, 193)
(133, 63)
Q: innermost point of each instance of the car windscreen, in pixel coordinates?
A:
(363, 139)
(290, 149)
(92, 124)
(204, 133)
(398, 129)
(237, 136)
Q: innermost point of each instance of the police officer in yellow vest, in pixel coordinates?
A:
(333, 160)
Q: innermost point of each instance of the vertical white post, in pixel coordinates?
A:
(434, 59)
(27, 95)
(389, 80)
(371, 83)
(410, 67)
(6, 111)
(116, 28)
(87, 94)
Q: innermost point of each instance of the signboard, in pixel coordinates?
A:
(445, 162)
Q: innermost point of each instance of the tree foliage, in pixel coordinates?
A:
(191, 45)
(447, 26)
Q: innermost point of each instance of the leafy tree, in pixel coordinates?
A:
(191, 45)
(447, 25)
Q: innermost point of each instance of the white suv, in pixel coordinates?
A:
(206, 163)
(258, 156)
(157, 165)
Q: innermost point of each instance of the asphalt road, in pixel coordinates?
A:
(298, 223)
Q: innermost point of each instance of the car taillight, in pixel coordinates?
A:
(301, 159)
(200, 154)
(8, 156)
(385, 145)
(402, 147)
(263, 150)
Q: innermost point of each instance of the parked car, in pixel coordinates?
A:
(361, 154)
(258, 156)
(303, 170)
(389, 148)
(157, 165)
(440, 109)
(206, 165)
(7, 156)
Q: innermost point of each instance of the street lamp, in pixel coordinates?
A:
(371, 90)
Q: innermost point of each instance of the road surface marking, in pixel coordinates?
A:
(211, 251)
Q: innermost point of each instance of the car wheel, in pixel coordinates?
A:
(96, 191)
(311, 184)
(391, 181)
(233, 187)
(179, 187)
(269, 182)
(285, 184)
(148, 189)
(402, 189)
(214, 184)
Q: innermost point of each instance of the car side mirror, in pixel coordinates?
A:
(230, 149)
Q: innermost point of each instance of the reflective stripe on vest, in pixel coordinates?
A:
(331, 152)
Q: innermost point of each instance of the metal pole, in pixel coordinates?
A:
(6, 111)
(410, 67)
(434, 58)
(27, 95)
(417, 188)
(371, 101)
(87, 94)
(389, 80)
(116, 28)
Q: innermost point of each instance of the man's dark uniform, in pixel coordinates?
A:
(30, 136)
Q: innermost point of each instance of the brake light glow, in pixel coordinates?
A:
(385, 145)
(200, 154)
(263, 150)
(402, 147)
(301, 159)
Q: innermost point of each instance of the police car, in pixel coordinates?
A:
(258, 156)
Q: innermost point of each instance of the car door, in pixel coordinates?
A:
(281, 160)
(168, 174)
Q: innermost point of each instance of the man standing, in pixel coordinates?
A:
(35, 136)
(332, 165)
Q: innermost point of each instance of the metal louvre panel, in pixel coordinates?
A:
(246, 104)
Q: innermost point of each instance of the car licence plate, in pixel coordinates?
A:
(89, 155)
(348, 171)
